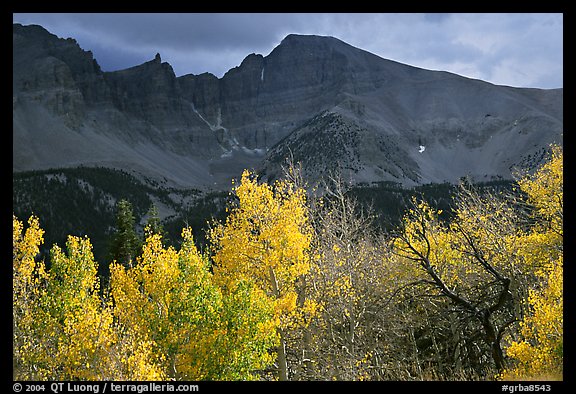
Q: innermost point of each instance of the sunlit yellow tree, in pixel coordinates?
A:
(196, 331)
(31, 359)
(545, 190)
(538, 354)
(467, 263)
(60, 328)
(494, 263)
(80, 323)
(63, 328)
(265, 241)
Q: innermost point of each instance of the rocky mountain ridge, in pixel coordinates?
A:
(329, 105)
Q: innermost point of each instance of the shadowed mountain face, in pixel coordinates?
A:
(329, 105)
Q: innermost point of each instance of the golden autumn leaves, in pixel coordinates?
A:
(167, 316)
(233, 314)
(539, 350)
(265, 241)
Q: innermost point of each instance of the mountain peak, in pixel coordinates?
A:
(31, 30)
(293, 37)
(325, 48)
(312, 40)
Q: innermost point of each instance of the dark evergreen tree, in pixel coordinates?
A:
(153, 222)
(125, 244)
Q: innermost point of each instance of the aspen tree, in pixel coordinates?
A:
(265, 240)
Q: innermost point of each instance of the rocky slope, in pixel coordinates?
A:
(328, 104)
(67, 112)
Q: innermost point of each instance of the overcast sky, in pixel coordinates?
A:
(523, 50)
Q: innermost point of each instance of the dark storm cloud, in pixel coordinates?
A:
(513, 49)
(176, 31)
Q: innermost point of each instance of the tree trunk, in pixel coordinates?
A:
(305, 364)
(494, 341)
(282, 362)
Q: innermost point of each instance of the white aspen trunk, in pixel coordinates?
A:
(282, 362)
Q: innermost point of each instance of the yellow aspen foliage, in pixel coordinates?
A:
(545, 190)
(29, 356)
(428, 241)
(87, 338)
(479, 244)
(466, 262)
(63, 329)
(79, 325)
(265, 241)
(538, 354)
(164, 318)
(131, 358)
(493, 262)
(25, 247)
(196, 332)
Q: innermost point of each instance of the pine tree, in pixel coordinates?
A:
(125, 243)
(153, 222)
